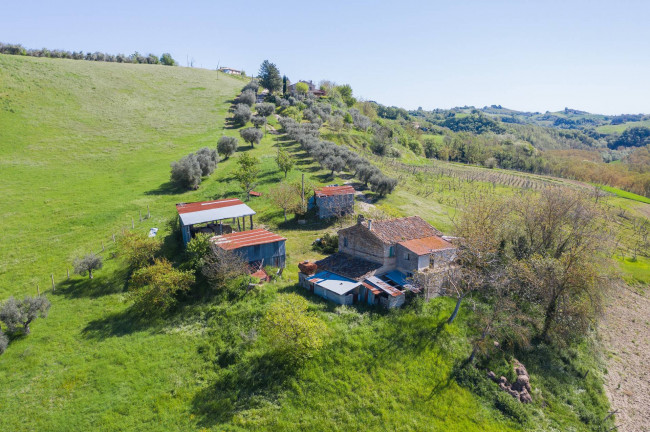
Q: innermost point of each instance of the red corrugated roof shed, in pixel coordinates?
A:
(245, 238)
(426, 245)
(334, 190)
(207, 205)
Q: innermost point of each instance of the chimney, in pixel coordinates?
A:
(369, 224)
(360, 219)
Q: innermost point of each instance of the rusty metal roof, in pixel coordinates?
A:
(333, 190)
(245, 238)
(207, 211)
(373, 280)
(426, 245)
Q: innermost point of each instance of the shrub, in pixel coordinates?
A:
(251, 135)
(221, 265)
(253, 86)
(382, 185)
(208, 160)
(88, 264)
(167, 60)
(197, 249)
(328, 244)
(293, 334)
(14, 313)
(242, 114)
(4, 341)
(154, 288)
(247, 97)
(227, 146)
(187, 172)
(137, 249)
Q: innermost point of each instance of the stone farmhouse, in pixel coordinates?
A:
(333, 201)
(377, 260)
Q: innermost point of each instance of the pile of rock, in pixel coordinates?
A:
(520, 389)
(308, 268)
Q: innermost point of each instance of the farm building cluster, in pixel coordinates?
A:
(375, 263)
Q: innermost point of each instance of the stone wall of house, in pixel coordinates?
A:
(335, 205)
(357, 241)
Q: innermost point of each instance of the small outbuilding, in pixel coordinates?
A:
(209, 216)
(333, 201)
(331, 286)
(257, 247)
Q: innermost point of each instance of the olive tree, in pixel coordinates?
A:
(4, 341)
(87, 264)
(187, 172)
(251, 135)
(207, 159)
(247, 97)
(333, 163)
(258, 121)
(227, 146)
(16, 313)
(242, 114)
(382, 184)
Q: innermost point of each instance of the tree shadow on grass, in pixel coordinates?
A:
(100, 285)
(248, 384)
(167, 188)
(117, 324)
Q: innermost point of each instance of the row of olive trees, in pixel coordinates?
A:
(188, 171)
(337, 158)
(16, 49)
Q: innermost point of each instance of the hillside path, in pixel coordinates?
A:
(626, 337)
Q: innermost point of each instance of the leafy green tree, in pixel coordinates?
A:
(227, 146)
(154, 288)
(247, 97)
(285, 196)
(247, 172)
(167, 60)
(346, 94)
(302, 88)
(15, 313)
(221, 266)
(137, 249)
(197, 249)
(293, 333)
(88, 264)
(285, 161)
(251, 135)
(270, 76)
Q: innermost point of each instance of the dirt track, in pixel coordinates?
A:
(626, 337)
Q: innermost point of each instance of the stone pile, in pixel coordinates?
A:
(520, 389)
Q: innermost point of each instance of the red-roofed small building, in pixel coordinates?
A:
(333, 201)
(208, 217)
(257, 246)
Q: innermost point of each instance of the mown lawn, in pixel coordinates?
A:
(84, 148)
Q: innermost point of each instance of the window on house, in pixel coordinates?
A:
(391, 251)
(345, 241)
(407, 256)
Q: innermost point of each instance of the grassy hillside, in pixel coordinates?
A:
(85, 147)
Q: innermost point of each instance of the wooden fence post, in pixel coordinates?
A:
(113, 238)
(140, 213)
(53, 287)
(38, 290)
(67, 271)
(148, 213)
(102, 245)
(132, 223)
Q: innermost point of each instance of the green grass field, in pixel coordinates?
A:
(625, 194)
(621, 127)
(84, 148)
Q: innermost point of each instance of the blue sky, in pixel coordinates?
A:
(537, 56)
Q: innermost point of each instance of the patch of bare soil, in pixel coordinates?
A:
(626, 335)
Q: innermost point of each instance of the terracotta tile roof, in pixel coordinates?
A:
(207, 205)
(348, 266)
(334, 190)
(426, 245)
(245, 238)
(398, 230)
